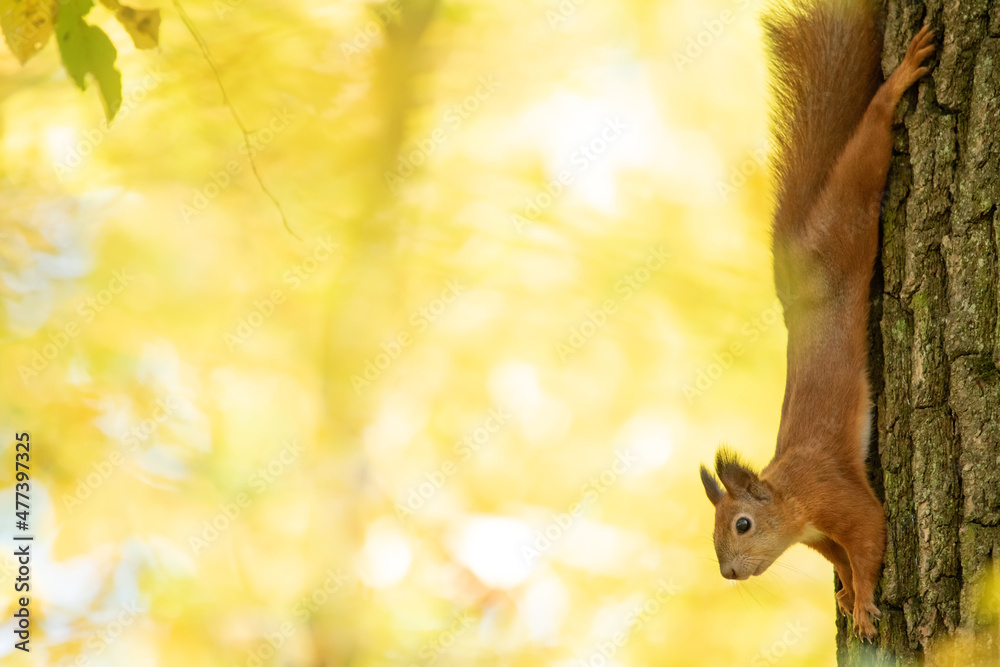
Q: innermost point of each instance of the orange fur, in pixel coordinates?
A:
(833, 138)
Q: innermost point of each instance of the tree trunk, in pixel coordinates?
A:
(936, 349)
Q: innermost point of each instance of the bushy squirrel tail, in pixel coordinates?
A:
(824, 68)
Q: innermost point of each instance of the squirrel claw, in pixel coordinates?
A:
(845, 601)
(921, 46)
(867, 633)
(863, 613)
(921, 39)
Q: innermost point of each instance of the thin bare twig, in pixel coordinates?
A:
(232, 110)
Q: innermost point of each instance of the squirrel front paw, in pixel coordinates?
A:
(863, 615)
(912, 69)
(845, 601)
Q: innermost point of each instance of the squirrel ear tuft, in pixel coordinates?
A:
(712, 488)
(739, 478)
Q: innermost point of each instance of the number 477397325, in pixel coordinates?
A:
(21, 473)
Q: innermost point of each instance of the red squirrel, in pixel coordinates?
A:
(832, 132)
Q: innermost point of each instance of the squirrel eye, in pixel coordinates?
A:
(742, 525)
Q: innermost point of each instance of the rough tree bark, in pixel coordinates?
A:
(936, 349)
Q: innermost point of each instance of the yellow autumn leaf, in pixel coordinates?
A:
(27, 25)
(142, 25)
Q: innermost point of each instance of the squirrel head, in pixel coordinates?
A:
(753, 523)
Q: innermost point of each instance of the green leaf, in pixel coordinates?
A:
(87, 49)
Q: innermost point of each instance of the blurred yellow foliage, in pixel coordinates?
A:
(459, 422)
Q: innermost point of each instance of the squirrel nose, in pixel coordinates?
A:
(728, 571)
